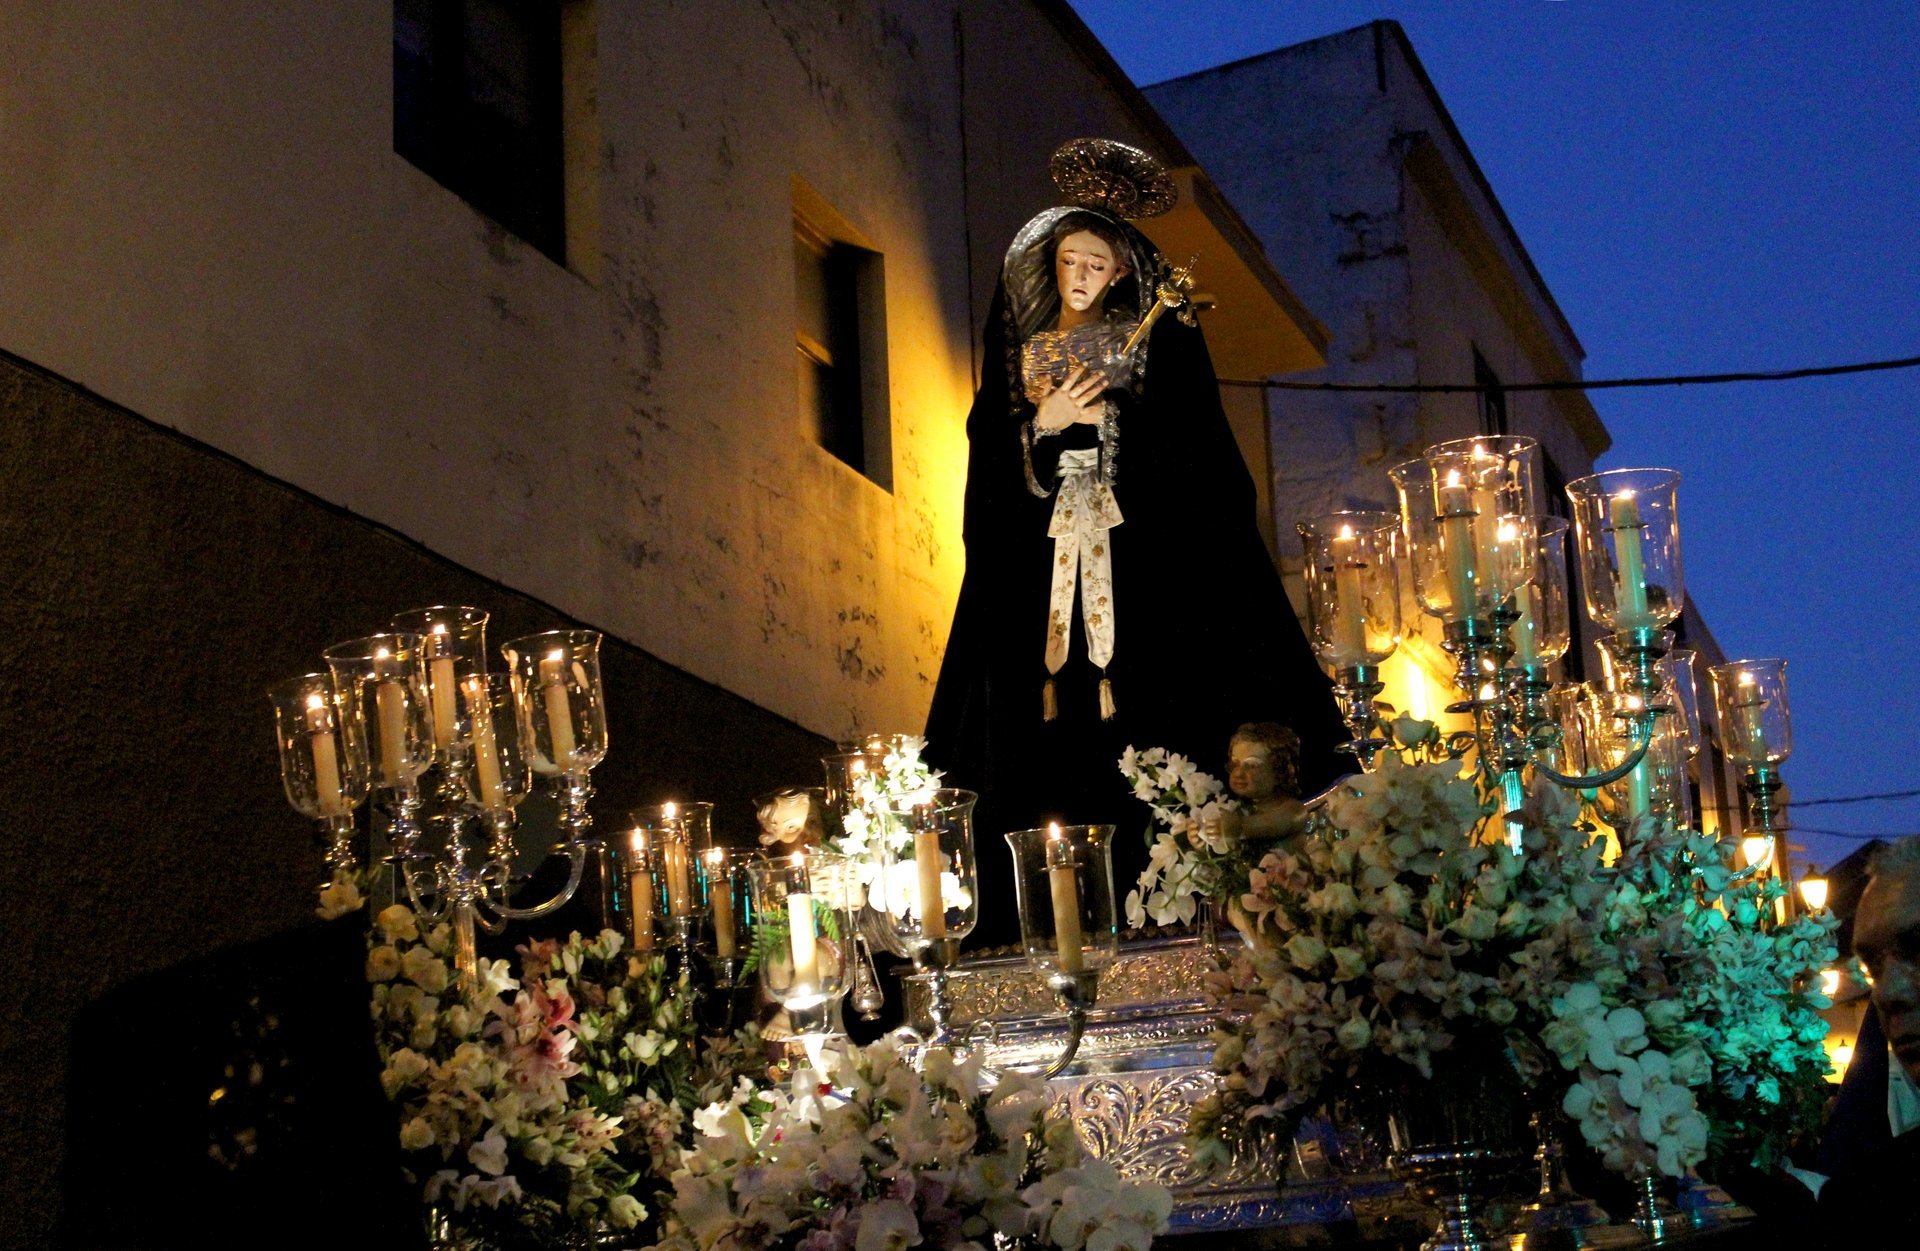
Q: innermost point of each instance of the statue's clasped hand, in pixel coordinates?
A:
(1077, 399)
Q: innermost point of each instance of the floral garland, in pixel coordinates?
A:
(865, 1154)
(1653, 997)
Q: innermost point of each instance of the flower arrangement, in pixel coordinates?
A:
(864, 1154)
(1188, 859)
(1654, 997)
(548, 1100)
(902, 778)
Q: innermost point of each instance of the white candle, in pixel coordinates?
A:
(928, 861)
(720, 894)
(1486, 514)
(1349, 609)
(1065, 885)
(640, 881)
(1753, 723)
(802, 937)
(1456, 543)
(390, 709)
(326, 758)
(486, 748)
(1630, 569)
(440, 684)
(1526, 648)
(1640, 780)
(679, 901)
(553, 686)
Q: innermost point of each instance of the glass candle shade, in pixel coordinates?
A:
(1497, 472)
(803, 926)
(1567, 708)
(927, 891)
(792, 818)
(676, 891)
(728, 892)
(1683, 695)
(1544, 630)
(1750, 697)
(1353, 587)
(556, 677)
(1627, 541)
(502, 774)
(1467, 557)
(844, 770)
(1657, 786)
(694, 821)
(1063, 886)
(453, 647)
(383, 678)
(638, 888)
(323, 752)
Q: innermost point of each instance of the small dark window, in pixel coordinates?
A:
(1493, 399)
(477, 105)
(827, 306)
(840, 332)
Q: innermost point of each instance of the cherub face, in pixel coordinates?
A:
(1084, 266)
(1250, 772)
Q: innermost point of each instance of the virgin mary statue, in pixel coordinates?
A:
(1117, 589)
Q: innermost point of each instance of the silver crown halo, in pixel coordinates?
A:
(1116, 177)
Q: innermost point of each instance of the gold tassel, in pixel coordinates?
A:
(1049, 703)
(1106, 699)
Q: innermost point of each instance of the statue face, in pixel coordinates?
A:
(1084, 267)
(1886, 934)
(1250, 770)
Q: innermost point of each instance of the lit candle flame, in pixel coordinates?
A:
(669, 810)
(316, 701)
(639, 842)
(1453, 477)
(1346, 531)
(1508, 532)
(556, 655)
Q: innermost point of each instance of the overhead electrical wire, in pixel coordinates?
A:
(1596, 384)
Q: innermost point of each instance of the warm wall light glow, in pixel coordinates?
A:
(1839, 1056)
(1756, 849)
(1814, 891)
(1830, 982)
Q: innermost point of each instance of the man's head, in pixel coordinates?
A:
(1886, 935)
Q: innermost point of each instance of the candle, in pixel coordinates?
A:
(486, 748)
(1526, 648)
(1061, 877)
(1349, 609)
(326, 758)
(1640, 780)
(801, 934)
(553, 685)
(1456, 543)
(440, 684)
(928, 862)
(390, 715)
(720, 894)
(1487, 535)
(640, 881)
(679, 894)
(1753, 723)
(1630, 569)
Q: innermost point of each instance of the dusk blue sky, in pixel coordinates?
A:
(1707, 187)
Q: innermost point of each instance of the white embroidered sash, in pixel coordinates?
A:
(1083, 511)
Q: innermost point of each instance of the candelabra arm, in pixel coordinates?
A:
(576, 869)
(416, 897)
(1076, 992)
(1642, 733)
